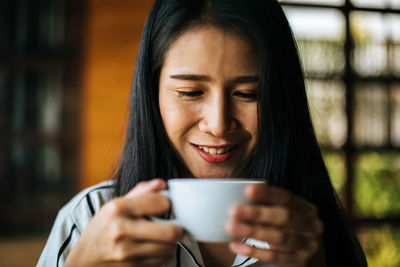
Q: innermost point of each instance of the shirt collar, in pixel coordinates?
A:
(191, 247)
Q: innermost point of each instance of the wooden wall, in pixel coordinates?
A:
(113, 31)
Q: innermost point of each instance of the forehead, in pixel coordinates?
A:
(208, 47)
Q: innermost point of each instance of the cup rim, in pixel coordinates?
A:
(216, 180)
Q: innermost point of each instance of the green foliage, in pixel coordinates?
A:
(381, 245)
(376, 194)
(377, 185)
(337, 170)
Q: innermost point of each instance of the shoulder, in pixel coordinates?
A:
(91, 197)
(71, 221)
(83, 206)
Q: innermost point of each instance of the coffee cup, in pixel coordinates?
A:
(201, 206)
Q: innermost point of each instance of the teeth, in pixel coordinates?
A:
(215, 151)
(212, 151)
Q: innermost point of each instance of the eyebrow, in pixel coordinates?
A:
(205, 78)
(191, 77)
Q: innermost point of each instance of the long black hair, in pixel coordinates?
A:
(287, 153)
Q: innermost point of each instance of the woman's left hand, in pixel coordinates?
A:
(289, 224)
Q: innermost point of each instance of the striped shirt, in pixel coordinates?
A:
(76, 214)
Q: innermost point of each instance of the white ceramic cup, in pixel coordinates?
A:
(201, 206)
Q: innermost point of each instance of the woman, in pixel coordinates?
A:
(218, 91)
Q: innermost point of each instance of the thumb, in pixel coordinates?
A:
(146, 187)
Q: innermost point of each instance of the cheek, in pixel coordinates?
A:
(166, 111)
(172, 122)
(248, 118)
(253, 125)
(176, 120)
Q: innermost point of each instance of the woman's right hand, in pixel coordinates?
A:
(119, 235)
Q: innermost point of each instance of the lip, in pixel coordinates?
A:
(215, 158)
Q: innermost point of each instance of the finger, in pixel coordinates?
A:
(146, 249)
(144, 230)
(153, 261)
(147, 187)
(263, 193)
(128, 250)
(278, 216)
(270, 256)
(278, 239)
(138, 206)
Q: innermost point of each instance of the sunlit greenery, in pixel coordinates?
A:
(377, 185)
(336, 168)
(376, 194)
(382, 246)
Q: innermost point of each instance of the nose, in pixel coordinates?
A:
(217, 118)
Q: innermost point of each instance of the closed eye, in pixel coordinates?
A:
(250, 96)
(189, 93)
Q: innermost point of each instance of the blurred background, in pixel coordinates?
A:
(65, 72)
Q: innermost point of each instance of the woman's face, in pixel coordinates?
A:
(208, 102)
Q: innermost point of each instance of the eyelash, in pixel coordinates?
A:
(246, 95)
(190, 93)
(199, 93)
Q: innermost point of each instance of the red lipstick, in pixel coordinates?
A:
(215, 158)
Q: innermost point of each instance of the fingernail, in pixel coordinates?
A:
(251, 190)
(237, 212)
(241, 212)
(248, 189)
(237, 228)
(237, 247)
(156, 182)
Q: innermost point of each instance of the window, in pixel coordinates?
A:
(351, 57)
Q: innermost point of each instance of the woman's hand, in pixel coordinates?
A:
(119, 235)
(289, 224)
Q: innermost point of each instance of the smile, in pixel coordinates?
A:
(216, 151)
(213, 154)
